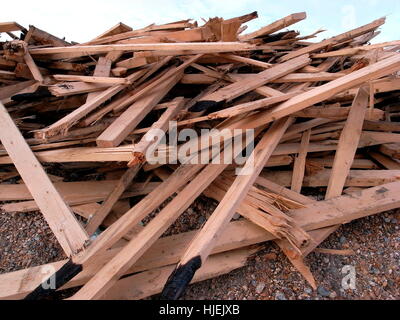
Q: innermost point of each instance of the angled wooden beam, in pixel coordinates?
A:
(348, 144)
(58, 215)
(299, 168)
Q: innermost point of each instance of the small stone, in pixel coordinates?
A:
(394, 221)
(260, 288)
(280, 296)
(387, 220)
(308, 290)
(236, 216)
(245, 288)
(343, 240)
(333, 295)
(202, 220)
(323, 292)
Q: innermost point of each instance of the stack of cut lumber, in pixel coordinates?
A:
(76, 123)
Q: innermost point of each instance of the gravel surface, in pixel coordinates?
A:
(26, 241)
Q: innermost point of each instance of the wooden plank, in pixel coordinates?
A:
(148, 140)
(275, 26)
(385, 161)
(200, 248)
(299, 168)
(348, 144)
(111, 200)
(280, 190)
(33, 67)
(10, 26)
(105, 80)
(58, 215)
(207, 47)
(151, 282)
(335, 40)
(73, 88)
(117, 29)
(132, 63)
(127, 122)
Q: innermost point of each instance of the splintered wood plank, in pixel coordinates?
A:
(335, 40)
(127, 122)
(275, 26)
(58, 215)
(348, 144)
(200, 248)
(33, 67)
(299, 168)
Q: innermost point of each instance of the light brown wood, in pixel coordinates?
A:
(348, 144)
(58, 215)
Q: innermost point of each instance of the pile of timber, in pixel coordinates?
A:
(76, 122)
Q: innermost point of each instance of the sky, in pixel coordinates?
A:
(83, 20)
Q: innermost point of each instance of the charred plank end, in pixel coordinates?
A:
(180, 279)
(67, 272)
